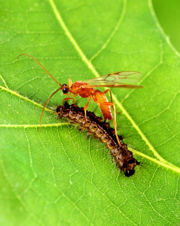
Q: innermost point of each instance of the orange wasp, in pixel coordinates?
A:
(86, 89)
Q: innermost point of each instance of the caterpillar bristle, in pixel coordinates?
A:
(101, 130)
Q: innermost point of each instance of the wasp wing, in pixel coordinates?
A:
(125, 79)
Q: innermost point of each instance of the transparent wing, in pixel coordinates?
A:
(125, 79)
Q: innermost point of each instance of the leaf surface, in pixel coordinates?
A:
(56, 176)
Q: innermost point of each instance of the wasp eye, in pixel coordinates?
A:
(65, 89)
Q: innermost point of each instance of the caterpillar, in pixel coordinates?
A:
(96, 126)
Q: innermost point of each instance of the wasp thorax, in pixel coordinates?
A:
(65, 88)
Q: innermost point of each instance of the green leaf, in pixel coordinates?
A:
(171, 22)
(56, 176)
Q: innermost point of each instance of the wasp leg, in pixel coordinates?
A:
(70, 84)
(108, 90)
(114, 109)
(69, 98)
(85, 110)
(74, 98)
(86, 106)
(114, 120)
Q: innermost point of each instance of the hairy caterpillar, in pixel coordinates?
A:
(101, 130)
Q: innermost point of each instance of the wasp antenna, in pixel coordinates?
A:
(26, 54)
(47, 103)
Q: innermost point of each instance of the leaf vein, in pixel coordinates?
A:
(16, 195)
(24, 98)
(160, 28)
(3, 80)
(112, 33)
(33, 125)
